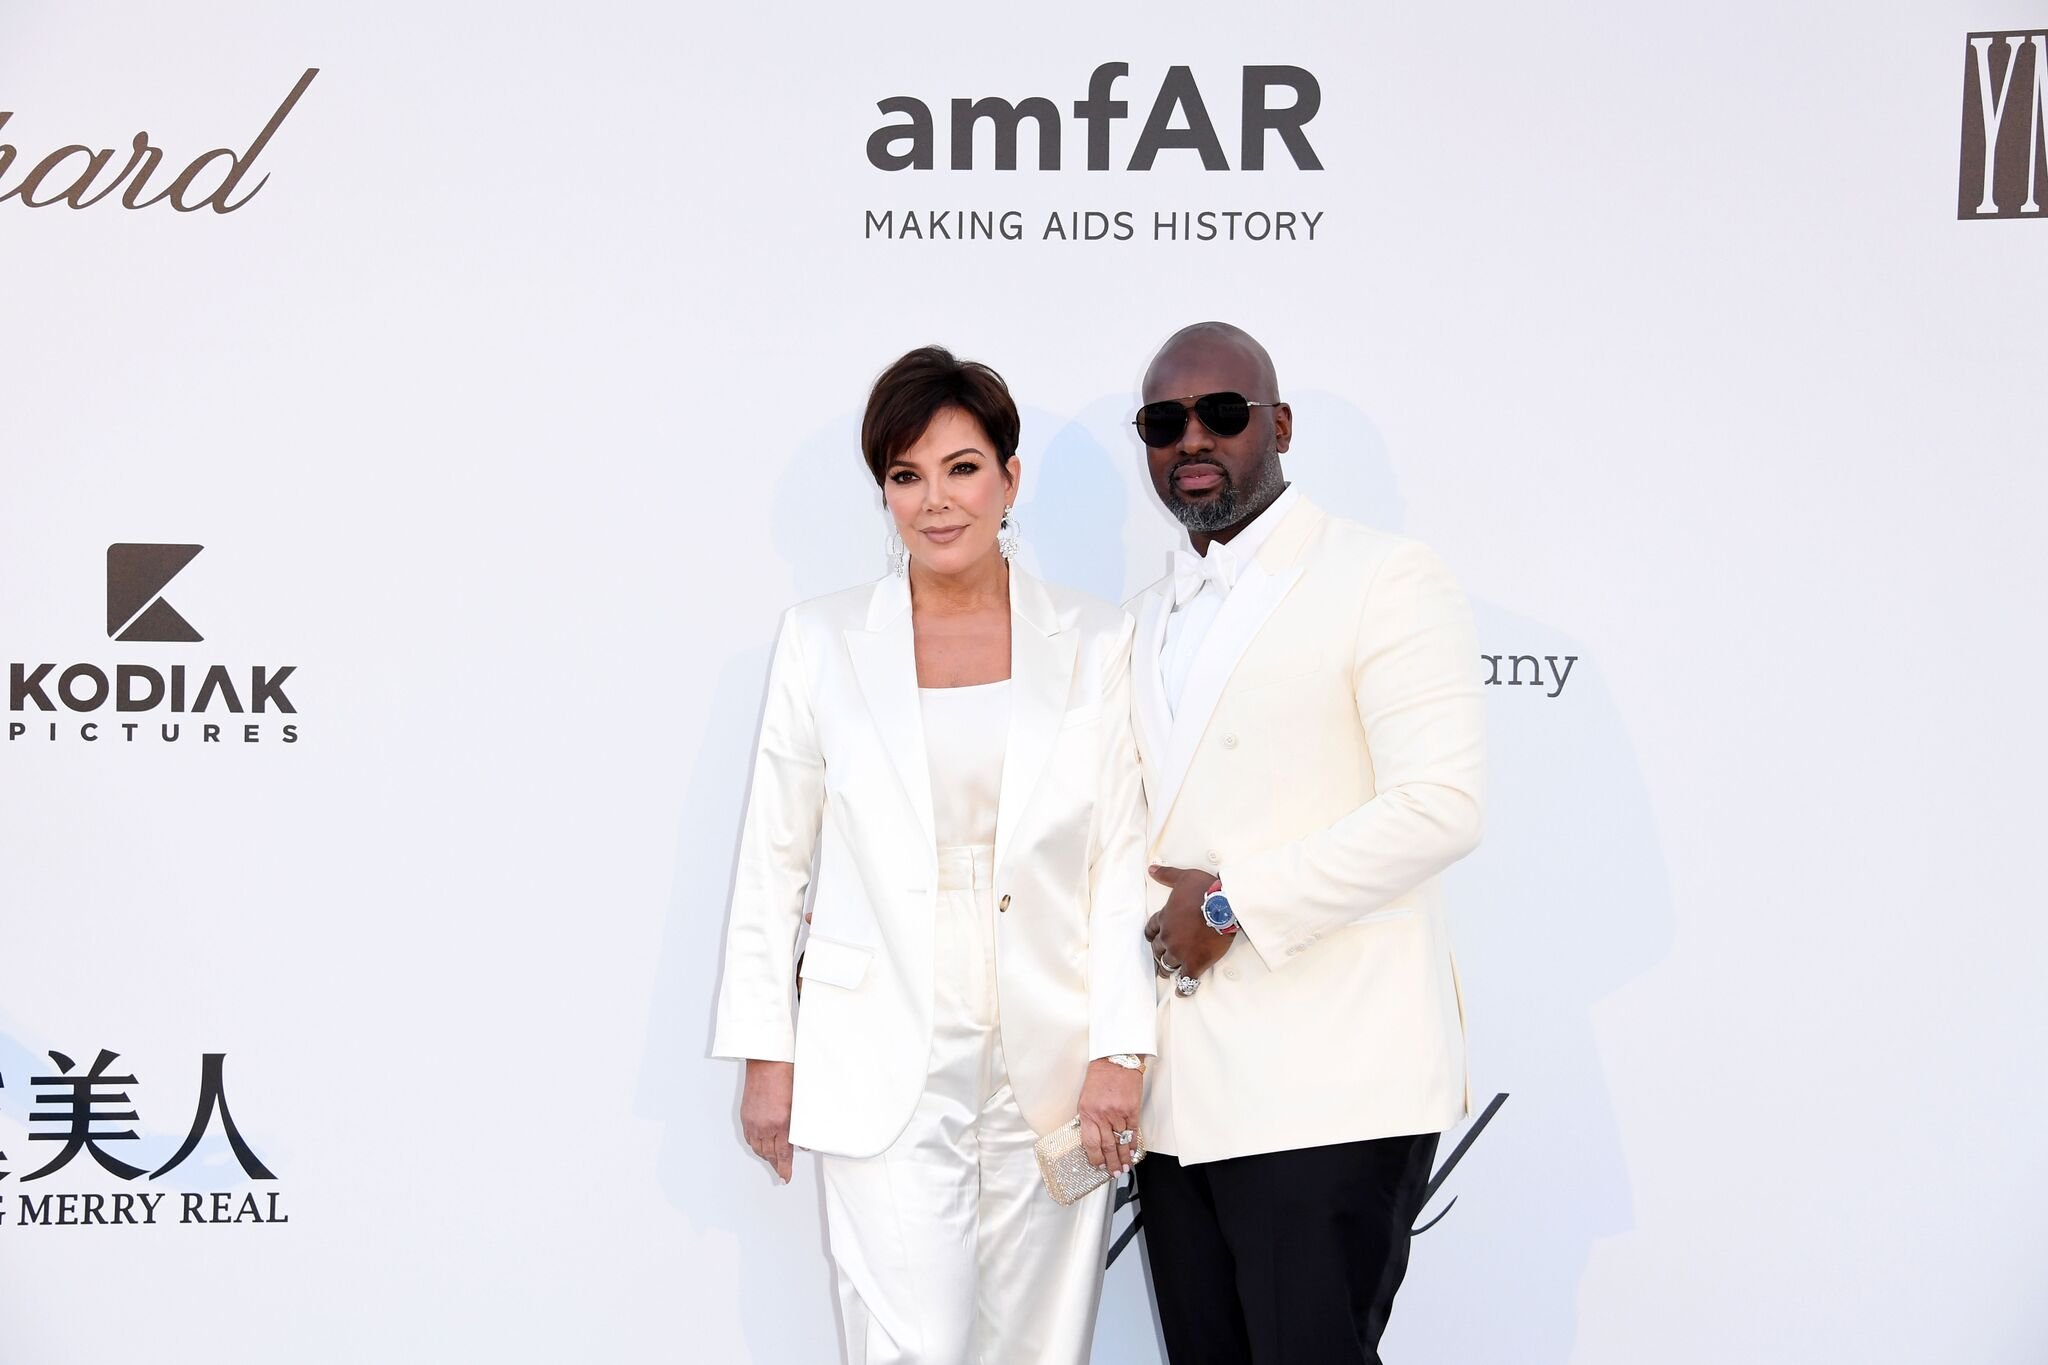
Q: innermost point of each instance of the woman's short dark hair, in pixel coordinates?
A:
(917, 387)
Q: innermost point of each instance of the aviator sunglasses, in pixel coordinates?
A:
(1224, 414)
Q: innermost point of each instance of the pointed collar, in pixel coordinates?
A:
(1244, 547)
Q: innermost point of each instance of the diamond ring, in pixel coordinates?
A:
(1185, 985)
(1124, 1136)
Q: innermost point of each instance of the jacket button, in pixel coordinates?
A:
(1230, 741)
(1214, 857)
(1230, 972)
(1004, 903)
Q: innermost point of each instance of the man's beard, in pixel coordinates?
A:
(1227, 509)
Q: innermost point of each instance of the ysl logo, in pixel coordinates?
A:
(2005, 126)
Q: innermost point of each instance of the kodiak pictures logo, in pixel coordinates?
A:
(2005, 125)
(160, 700)
(136, 578)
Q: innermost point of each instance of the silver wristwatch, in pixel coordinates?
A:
(1129, 1061)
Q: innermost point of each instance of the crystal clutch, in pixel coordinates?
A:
(1063, 1161)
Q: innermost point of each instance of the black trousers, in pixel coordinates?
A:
(1286, 1258)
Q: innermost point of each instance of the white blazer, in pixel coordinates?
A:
(1326, 760)
(840, 780)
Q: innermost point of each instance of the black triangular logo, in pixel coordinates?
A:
(161, 622)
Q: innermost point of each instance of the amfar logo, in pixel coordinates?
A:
(137, 611)
(909, 145)
(136, 574)
(73, 174)
(2005, 125)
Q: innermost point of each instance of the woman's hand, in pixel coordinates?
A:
(1111, 1097)
(764, 1112)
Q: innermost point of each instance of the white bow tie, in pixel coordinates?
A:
(1191, 571)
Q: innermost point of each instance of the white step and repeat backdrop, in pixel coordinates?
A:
(396, 505)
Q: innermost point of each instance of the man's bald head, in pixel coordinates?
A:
(1203, 346)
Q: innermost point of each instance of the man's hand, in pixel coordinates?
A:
(764, 1112)
(1181, 939)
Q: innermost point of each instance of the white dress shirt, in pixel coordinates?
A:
(1209, 578)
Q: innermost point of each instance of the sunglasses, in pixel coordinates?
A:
(1224, 414)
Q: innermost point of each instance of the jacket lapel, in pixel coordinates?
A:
(884, 653)
(1041, 676)
(1148, 684)
(1258, 594)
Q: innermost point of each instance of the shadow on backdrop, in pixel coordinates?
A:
(1077, 501)
(828, 530)
(1564, 902)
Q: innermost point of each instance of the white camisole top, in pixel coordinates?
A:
(966, 730)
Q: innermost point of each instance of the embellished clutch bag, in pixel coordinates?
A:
(1064, 1163)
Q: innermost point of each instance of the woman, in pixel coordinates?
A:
(953, 746)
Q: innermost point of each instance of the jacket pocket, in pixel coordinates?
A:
(835, 963)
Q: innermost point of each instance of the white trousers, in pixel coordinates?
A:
(946, 1248)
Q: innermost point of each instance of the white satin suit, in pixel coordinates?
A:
(977, 937)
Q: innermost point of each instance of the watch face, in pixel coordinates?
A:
(1217, 911)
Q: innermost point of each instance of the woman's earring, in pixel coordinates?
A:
(898, 552)
(1006, 538)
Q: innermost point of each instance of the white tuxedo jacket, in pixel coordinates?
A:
(840, 779)
(1326, 761)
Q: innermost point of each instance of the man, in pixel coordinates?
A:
(1310, 727)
